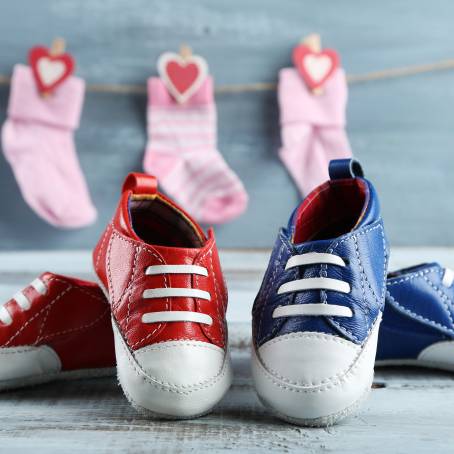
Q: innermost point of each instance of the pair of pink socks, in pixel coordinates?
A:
(182, 153)
(312, 127)
(37, 140)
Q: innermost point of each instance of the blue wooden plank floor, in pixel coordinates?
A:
(411, 411)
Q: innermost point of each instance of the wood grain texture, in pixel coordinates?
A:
(410, 414)
(412, 411)
(401, 129)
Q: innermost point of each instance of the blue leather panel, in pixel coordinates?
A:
(422, 296)
(419, 311)
(402, 337)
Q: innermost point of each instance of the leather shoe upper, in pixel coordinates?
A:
(69, 315)
(341, 221)
(419, 311)
(149, 231)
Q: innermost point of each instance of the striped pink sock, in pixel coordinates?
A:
(181, 152)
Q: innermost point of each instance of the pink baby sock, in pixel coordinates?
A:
(312, 127)
(38, 143)
(181, 153)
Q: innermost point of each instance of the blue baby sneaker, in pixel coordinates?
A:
(418, 320)
(317, 313)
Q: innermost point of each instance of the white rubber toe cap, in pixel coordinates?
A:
(176, 379)
(20, 366)
(314, 378)
(181, 364)
(308, 359)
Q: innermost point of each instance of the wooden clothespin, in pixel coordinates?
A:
(314, 42)
(58, 47)
(50, 67)
(182, 73)
(315, 65)
(185, 52)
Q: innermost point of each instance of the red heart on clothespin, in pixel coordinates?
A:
(183, 74)
(52, 67)
(315, 66)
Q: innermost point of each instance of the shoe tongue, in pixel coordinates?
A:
(177, 256)
(350, 169)
(140, 194)
(313, 246)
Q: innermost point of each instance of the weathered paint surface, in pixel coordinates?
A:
(413, 412)
(402, 129)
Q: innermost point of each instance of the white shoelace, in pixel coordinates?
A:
(314, 283)
(448, 277)
(169, 292)
(22, 301)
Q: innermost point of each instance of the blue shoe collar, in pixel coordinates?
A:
(345, 188)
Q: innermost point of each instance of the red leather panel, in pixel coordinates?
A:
(129, 283)
(73, 318)
(140, 183)
(99, 255)
(121, 268)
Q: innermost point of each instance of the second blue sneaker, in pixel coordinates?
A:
(317, 314)
(418, 321)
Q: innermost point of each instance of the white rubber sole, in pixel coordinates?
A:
(323, 404)
(29, 366)
(323, 421)
(415, 363)
(439, 355)
(156, 399)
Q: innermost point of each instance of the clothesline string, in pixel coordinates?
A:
(391, 73)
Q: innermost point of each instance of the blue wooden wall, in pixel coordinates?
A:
(402, 129)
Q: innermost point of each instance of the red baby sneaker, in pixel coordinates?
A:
(56, 328)
(165, 285)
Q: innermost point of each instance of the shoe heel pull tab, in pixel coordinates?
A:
(140, 183)
(344, 168)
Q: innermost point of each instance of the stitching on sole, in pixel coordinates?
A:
(166, 386)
